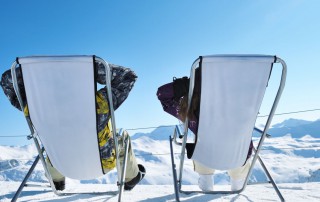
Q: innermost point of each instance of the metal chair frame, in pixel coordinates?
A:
(40, 149)
(177, 178)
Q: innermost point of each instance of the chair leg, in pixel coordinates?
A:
(271, 179)
(174, 172)
(124, 167)
(268, 175)
(23, 183)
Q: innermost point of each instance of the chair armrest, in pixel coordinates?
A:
(260, 131)
(176, 132)
(119, 134)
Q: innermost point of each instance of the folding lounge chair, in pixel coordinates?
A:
(232, 90)
(61, 98)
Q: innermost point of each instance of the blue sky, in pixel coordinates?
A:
(161, 39)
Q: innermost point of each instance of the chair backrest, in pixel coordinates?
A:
(60, 93)
(232, 90)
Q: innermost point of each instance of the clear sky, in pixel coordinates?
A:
(160, 40)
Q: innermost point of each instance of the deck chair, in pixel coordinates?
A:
(61, 98)
(232, 90)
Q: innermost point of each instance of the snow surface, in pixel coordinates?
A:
(295, 192)
(292, 161)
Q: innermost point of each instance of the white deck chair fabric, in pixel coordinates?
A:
(232, 90)
(61, 100)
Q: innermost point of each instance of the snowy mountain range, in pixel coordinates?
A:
(297, 128)
(291, 154)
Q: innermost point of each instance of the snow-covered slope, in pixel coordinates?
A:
(288, 159)
(297, 128)
(293, 162)
(292, 192)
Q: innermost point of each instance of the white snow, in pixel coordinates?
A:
(295, 192)
(293, 162)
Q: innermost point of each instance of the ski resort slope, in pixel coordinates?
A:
(295, 192)
(292, 160)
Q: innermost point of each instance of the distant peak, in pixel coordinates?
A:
(291, 123)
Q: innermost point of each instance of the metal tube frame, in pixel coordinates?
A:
(111, 109)
(23, 183)
(34, 135)
(174, 171)
(124, 167)
(37, 141)
(185, 133)
(256, 156)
